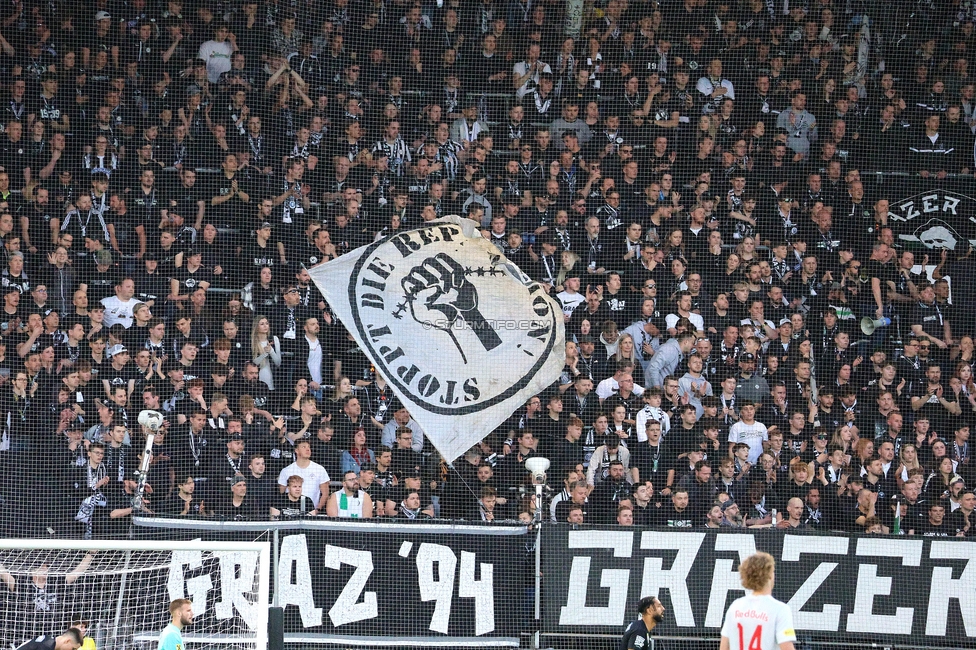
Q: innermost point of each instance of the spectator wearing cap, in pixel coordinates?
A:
(731, 516)
(286, 320)
(607, 495)
(748, 431)
(782, 223)
(118, 373)
(591, 363)
(750, 386)
(714, 517)
(262, 251)
(570, 297)
(225, 467)
(956, 487)
(783, 342)
(235, 504)
(516, 251)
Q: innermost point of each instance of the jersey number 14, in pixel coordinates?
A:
(755, 643)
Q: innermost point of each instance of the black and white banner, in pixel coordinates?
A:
(461, 334)
(899, 590)
(346, 583)
(937, 218)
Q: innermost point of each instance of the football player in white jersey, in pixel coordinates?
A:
(758, 621)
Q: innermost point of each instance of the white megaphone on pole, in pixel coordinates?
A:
(868, 325)
(537, 466)
(152, 421)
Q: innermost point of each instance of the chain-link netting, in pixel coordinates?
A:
(756, 217)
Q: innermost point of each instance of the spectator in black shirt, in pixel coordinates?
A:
(231, 195)
(936, 525)
(238, 505)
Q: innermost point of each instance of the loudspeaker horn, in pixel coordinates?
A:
(868, 325)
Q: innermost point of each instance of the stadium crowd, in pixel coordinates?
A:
(685, 178)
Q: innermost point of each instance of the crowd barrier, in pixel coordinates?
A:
(435, 583)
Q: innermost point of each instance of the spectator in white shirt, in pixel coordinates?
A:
(714, 88)
(316, 485)
(120, 307)
(525, 74)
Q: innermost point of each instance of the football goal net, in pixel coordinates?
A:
(120, 591)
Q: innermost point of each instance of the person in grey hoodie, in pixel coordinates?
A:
(665, 361)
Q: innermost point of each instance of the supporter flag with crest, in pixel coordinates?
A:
(462, 335)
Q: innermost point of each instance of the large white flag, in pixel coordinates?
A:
(461, 334)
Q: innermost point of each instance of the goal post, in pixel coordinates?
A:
(122, 590)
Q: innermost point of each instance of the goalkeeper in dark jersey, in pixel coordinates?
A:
(638, 634)
(70, 640)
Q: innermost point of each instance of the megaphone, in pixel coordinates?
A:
(868, 325)
(152, 420)
(537, 466)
